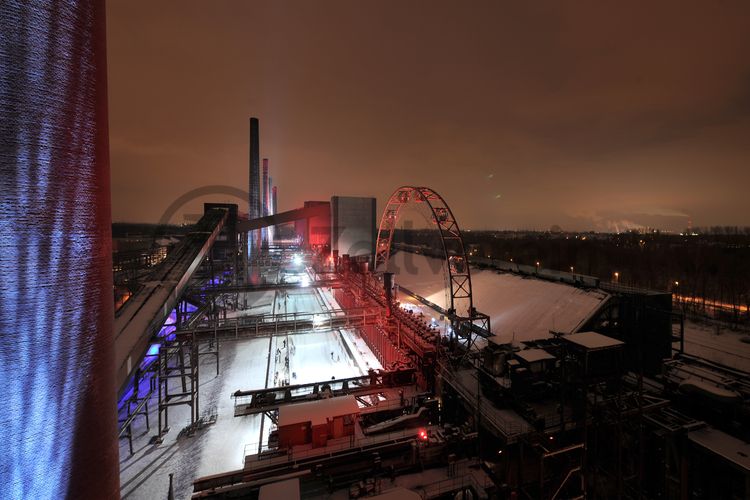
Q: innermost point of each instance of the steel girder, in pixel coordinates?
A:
(459, 275)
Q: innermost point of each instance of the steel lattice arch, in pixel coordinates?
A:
(462, 312)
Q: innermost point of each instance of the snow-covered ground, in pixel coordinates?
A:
(717, 344)
(253, 304)
(216, 448)
(244, 364)
(520, 308)
(305, 300)
(301, 300)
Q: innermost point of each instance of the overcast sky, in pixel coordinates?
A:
(589, 115)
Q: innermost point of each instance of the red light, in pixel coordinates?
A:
(423, 434)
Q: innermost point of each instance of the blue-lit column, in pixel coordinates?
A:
(58, 415)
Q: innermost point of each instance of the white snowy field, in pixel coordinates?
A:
(220, 447)
(254, 304)
(719, 345)
(520, 308)
(213, 449)
(301, 300)
(246, 364)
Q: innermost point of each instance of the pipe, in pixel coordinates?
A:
(58, 424)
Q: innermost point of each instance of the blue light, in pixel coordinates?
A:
(55, 302)
(153, 350)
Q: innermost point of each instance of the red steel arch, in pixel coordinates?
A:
(459, 274)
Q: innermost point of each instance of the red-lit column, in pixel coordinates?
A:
(58, 423)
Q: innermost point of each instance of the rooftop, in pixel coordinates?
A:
(534, 355)
(316, 412)
(724, 445)
(593, 340)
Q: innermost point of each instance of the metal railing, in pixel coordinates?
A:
(488, 412)
(341, 445)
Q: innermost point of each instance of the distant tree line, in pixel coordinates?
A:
(709, 274)
(142, 229)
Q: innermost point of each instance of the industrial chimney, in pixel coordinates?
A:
(265, 200)
(269, 207)
(254, 208)
(58, 424)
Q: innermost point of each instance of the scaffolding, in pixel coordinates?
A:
(179, 360)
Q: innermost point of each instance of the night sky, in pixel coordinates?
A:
(588, 115)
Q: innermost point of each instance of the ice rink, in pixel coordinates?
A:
(244, 365)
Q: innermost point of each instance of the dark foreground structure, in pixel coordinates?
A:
(56, 343)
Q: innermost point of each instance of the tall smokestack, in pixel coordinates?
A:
(268, 203)
(58, 424)
(265, 200)
(274, 200)
(253, 210)
(271, 229)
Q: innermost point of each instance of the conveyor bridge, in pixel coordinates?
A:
(145, 312)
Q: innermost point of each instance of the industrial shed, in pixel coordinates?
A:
(317, 421)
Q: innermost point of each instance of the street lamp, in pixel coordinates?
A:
(571, 269)
(617, 277)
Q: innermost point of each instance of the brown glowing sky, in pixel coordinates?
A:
(590, 115)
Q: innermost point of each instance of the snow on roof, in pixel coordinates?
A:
(592, 340)
(724, 445)
(288, 490)
(316, 412)
(534, 355)
(520, 308)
